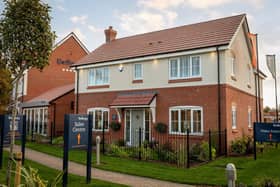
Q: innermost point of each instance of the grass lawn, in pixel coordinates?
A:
(212, 173)
(49, 174)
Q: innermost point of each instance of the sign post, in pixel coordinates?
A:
(77, 135)
(1, 140)
(266, 132)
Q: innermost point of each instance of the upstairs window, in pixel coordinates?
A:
(138, 71)
(98, 76)
(185, 67)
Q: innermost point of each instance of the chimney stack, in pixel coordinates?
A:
(110, 34)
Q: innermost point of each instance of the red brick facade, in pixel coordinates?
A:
(203, 96)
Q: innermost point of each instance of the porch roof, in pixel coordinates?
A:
(133, 99)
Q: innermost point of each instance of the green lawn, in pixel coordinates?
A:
(49, 174)
(212, 173)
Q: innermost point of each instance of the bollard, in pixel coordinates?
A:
(18, 159)
(231, 174)
(97, 150)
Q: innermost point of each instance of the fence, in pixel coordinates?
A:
(183, 150)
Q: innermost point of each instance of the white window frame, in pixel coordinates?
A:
(233, 66)
(93, 82)
(179, 68)
(134, 72)
(234, 117)
(93, 118)
(179, 108)
(249, 117)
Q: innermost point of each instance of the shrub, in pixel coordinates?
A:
(120, 142)
(267, 182)
(115, 150)
(115, 126)
(239, 146)
(58, 140)
(204, 151)
(161, 127)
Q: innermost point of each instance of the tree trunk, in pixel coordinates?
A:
(12, 131)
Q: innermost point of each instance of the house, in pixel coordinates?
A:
(48, 94)
(198, 77)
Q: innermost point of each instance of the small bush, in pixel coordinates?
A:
(120, 142)
(239, 146)
(161, 127)
(267, 182)
(115, 150)
(58, 140)
(115, 126)
(204, 152)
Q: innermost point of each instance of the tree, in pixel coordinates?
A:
(267, 109)
(26, 42)
(5, 89)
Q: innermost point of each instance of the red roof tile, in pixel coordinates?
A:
(194, 36)
(53, 93)
(131, 99)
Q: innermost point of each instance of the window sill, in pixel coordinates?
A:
(185, 80)
(233, 77)
(234, 131)
(137, 81)
(98, 86)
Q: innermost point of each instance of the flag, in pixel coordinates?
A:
(253, 39)
(270, 62)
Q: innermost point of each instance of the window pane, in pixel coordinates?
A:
(137, 71)
(174, 121)
(196, 121)
(105, 119)
(195, 66)
(98, 120)
(91, 77)
(174, 68)
(106, 76)
(98, 76)
(185, 120)
(184, 66)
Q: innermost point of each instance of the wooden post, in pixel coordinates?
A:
(18, 158)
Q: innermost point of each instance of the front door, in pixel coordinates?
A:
(137, 122)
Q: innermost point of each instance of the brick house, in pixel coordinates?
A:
(48, 94)
(200, 76)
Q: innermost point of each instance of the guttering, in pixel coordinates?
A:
(150, 57)
(77, 90)
(219, 98)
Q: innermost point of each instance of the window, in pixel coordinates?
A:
(138, 71)
(98, 76)
(100, 118)
(184, 67)
(233, 116)
(183, 118)
(36, 120)
(233, 66)
(249, 117)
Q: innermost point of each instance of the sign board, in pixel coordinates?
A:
(267, 132)
(78, 131)
(7, 121)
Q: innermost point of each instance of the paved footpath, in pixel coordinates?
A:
(79, 169)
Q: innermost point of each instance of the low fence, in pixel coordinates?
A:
(183, 150)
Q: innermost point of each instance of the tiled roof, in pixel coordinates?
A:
(49, 96)
(136, 98)
(194, 36)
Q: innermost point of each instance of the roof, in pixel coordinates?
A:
(71, 34)
(134, 98)
(49, 96)
(195, 36)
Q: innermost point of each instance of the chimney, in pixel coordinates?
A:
(110, 34)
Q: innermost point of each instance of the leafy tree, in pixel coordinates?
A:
(267, 109)
(26, 42)
(5, 89)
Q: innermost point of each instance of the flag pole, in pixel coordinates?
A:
(275, 79)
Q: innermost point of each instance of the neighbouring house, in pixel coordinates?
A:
(49, 94)
(198, 77)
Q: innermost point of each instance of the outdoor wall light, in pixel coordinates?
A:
(121, 68)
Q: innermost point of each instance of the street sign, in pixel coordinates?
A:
(78, 131)
(7, 122)
(267, 132)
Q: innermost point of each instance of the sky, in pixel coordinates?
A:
(88, 19)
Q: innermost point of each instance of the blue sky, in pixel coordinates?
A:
(89, 18)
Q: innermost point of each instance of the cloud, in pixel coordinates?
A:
(94, 29)
(79, 19)
(145, 21)
(160, 4)
(61, 8)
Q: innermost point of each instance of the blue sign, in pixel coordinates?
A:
(7, 122)
(78, 131)
(267, 132)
